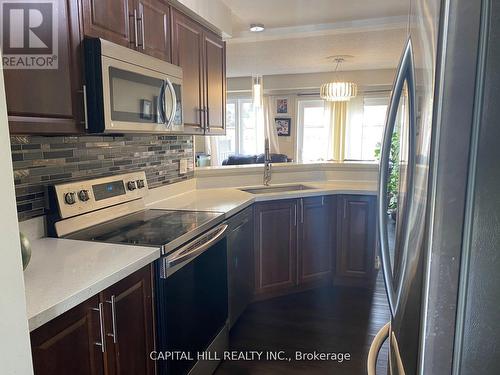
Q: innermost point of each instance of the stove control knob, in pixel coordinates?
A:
(70, 198)
(83, 195)
(131, 185)
(140, 184)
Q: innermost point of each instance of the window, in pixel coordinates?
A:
(365, 126)
(313, 131)
(243, 135)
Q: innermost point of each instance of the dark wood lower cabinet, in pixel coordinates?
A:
(71, 343)
(66, 345)
(356, 243)
(307, 242)
(275, 245)
(315, 250)
(129, 325)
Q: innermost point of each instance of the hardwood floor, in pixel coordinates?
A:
(330, 319)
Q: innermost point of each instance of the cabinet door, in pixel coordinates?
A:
(50, 100)
(315, 245)
(109, 19)
(356, 232)
(154, 28)
(240, 263)
(66, 345)
(130, 338)
(187, 52)
(275, 246)
(215, 84)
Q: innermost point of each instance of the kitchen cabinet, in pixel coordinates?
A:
(110, 333)
(240, 263)
(112, 20)
(356, 240)
(202, 56)
(215, 84)
(155, 29)
(187, 52)
(66, 345)
(275, 245)
(50, 101)
(129, 325)
(316, 237)
(143, 25)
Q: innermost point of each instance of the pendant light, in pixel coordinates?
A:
(257, 91)
(338, 90)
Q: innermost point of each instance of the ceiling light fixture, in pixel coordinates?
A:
(257, 28)
(257, 92)
(338, 90)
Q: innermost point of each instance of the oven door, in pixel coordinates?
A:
(192, 299)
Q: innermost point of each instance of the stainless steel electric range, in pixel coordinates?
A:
(191, 275)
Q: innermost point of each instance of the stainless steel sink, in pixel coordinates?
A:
(276, 189)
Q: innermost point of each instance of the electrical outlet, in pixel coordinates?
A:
(183, 166)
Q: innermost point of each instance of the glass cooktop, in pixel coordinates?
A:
(149, 227)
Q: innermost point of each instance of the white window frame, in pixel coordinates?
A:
(300, 121)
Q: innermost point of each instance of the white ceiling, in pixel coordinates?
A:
(301, 34)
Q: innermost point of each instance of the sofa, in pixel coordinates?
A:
(255, 159)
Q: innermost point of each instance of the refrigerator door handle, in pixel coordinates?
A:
(377, 343)
(405, 73)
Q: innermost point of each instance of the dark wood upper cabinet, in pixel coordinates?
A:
(112, 20)
(215, 87)
(275, 244)
(187, 52)
(356, 238)
(202, 56)
(315, 249)
(122, 315)
(50, 100)
(66, 345)
(130, 338)
(155, 30)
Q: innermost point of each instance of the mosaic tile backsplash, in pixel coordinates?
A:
(41, 161)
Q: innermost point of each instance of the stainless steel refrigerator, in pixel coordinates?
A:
(443, 274)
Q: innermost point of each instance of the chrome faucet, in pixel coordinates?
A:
(267, 164)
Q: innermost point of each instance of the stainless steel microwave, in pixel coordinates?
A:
(126, 91)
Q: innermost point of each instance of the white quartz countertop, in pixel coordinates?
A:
(232, 200)
(64, 273)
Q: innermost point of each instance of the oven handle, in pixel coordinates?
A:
(194, 248)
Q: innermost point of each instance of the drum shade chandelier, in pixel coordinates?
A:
(338, 90)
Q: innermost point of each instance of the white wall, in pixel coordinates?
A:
(15, 350)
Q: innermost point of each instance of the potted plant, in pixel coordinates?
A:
(393, 181)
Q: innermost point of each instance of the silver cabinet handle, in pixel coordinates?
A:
(295, 215)
(114, 335)
(302, 210)
(102, 344)
(142, 30)
(136, 34)
(406, 74)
